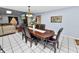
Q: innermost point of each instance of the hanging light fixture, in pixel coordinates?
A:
(29, 13)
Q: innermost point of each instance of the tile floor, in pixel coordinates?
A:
(14, 44)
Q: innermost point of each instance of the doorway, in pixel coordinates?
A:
(15, 19)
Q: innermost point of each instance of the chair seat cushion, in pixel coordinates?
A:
(51, 40)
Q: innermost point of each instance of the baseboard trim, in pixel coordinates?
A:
(7, 34)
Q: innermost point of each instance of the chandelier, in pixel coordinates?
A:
(29, 13)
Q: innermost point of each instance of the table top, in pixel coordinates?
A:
(38, 30)
(43, 35)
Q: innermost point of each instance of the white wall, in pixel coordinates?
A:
(70, 23)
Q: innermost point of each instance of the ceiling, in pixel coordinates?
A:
(35, 9)
(14, 12)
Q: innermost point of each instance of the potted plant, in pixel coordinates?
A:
(33, 24)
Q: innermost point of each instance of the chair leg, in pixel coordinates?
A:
(57, 44)
(45, 44)
(22, 36)
(30, 44)
(2, 50)
(30, 40)
(25, 39)
(36, 42)
(54, 45)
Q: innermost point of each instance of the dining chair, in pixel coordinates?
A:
(28, 36)
(55, 41)
(23, 32)
(1, 49)
(23, 26)
(37, 26)
(42, 26)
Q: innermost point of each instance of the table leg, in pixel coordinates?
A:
(45, 43)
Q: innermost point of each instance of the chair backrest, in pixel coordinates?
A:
(40, 26)
(58, 34)
(23, 28)
(27, 33)
(37, 26)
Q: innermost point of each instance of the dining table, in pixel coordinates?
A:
(44, 35)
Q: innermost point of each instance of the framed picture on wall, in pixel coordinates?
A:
(38, 19)
(56, 19)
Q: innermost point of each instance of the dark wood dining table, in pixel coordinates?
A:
(43, 36)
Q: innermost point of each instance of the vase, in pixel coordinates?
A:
(33, 28)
